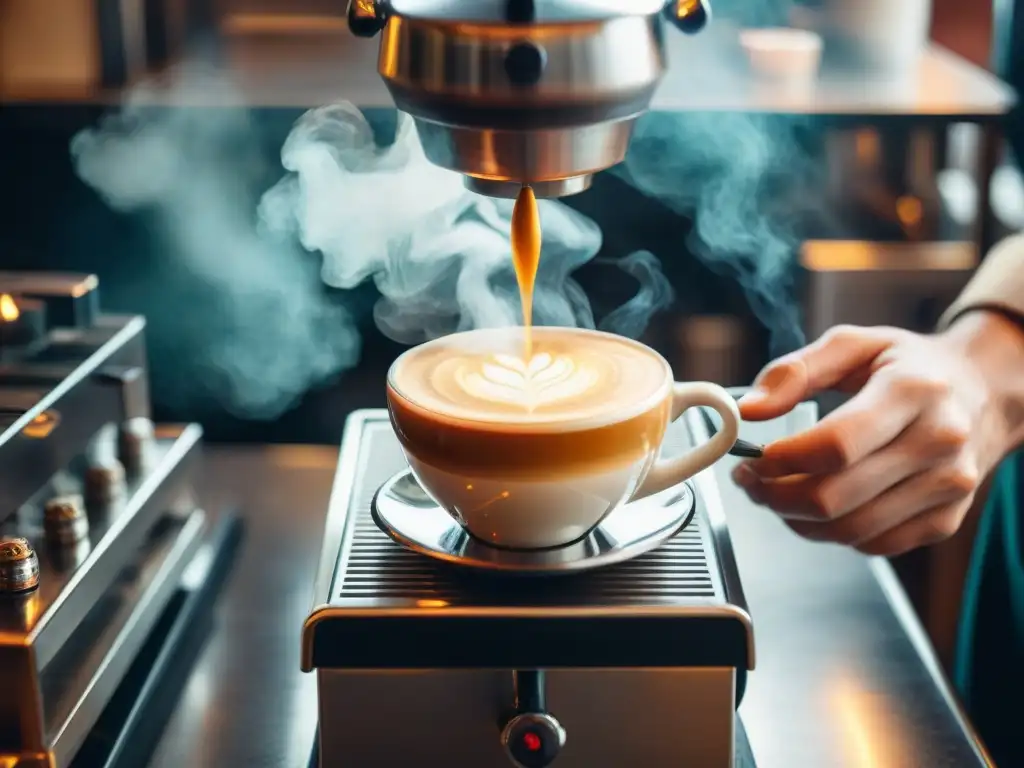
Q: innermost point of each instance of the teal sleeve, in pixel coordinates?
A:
(989, 665)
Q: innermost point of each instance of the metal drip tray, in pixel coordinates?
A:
(641, 662)
(374, 594)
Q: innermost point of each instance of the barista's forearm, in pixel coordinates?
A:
(993, 345)
(987, 322)
(998, 283)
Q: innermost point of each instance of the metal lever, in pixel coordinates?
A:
(532, 738)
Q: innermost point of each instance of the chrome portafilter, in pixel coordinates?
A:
(513, 92)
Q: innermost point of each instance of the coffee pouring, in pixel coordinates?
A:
(530, 437)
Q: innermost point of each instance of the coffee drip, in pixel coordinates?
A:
(526, 241)
(524, 374)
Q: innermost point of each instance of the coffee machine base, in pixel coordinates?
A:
(744, 756)
(643, 662)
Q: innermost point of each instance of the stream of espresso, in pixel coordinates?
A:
(525, 257)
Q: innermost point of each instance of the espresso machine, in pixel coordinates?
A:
(107, 565)
(628, 647)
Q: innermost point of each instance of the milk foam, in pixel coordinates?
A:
(573, 375)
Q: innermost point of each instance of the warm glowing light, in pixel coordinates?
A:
(8, 308)
(909, 210)
(431, 604)
(866, 145)
(525, 238)
(870, 731)
(42, 425)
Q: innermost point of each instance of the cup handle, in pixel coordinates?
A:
(667, 473)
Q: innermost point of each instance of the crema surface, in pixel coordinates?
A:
(572, 376)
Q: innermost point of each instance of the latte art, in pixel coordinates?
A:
(572, 375)
(544, 380)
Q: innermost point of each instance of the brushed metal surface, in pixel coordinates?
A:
(246, 703)
(556, 162)
(549, 99)
(71, 397)
(81, 680)
(40, 631)
(840, 679)
(650, 585)
(69, 589)
(845, 677)
(663, 718)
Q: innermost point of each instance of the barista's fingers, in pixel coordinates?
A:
(885, 407)
(947, 486)
(840, 359)
(930, 527)
(828, 497)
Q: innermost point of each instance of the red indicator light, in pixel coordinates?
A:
(532, 742)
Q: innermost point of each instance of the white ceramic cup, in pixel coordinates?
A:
(536, 486)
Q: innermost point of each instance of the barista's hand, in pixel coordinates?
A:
(899, 464)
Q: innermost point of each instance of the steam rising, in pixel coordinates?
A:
(264, 329)
(717, 168)
(439, 255)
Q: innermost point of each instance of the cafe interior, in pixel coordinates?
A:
(225, 220)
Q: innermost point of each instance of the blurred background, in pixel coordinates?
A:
(872, 192)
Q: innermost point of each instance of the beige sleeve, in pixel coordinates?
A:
(998, 283)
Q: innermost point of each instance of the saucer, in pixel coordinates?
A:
(406, 513)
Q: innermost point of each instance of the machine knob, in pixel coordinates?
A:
(524, 64)
(366, 17)
(533, 739)
(688, 16)
(19, 566)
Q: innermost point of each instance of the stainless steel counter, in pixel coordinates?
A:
(842, 679)
(846, 676)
